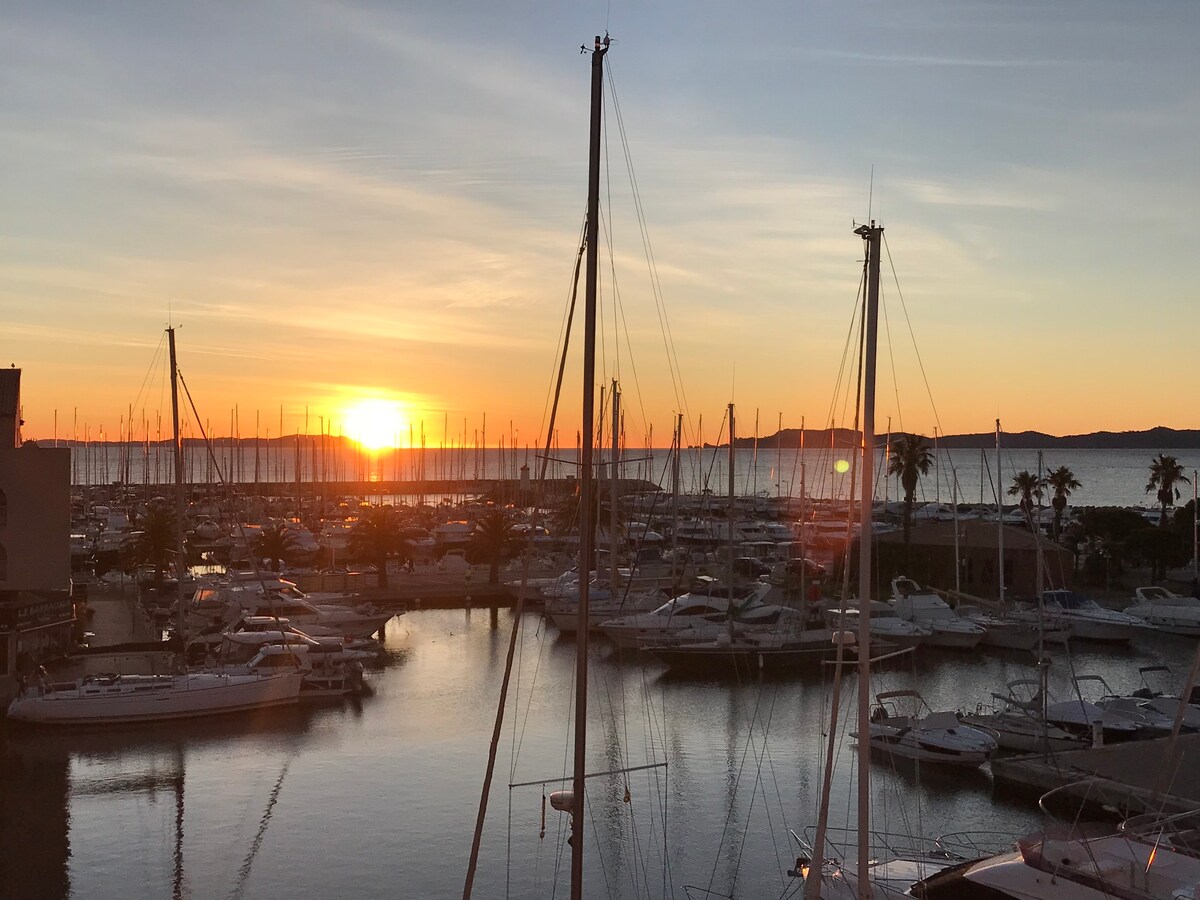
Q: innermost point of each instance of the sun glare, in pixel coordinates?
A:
(375, 423)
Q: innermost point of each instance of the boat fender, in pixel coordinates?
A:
(563, 801)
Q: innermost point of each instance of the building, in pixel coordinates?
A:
(933, 554)
(36, 612)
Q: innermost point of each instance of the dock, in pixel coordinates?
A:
(1124, 778)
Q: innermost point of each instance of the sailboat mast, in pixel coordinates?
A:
(180, 559)
(678, 441)
(586, 525)
(872, 235)
(732, 503)
(614, 493)
(1000, 523)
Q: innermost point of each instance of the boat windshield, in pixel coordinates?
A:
(1070, 600)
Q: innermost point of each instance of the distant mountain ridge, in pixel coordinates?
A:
(1159, 438)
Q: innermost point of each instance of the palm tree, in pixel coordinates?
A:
(1165, 474)
(491, 538)
(1028, 487)
(274, 543)
(566, 518)
(377, 536)
(154, 544)
(1063, 481)
(911, 458)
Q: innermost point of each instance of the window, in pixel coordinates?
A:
(3, 563)
(3, 508)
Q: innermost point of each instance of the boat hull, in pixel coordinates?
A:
(724, 662)
(185, 697)
(953, 640)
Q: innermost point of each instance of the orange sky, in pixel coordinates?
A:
(393, 214)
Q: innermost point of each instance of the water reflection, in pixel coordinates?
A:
(355, 799)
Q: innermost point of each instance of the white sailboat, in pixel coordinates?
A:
(151, 698)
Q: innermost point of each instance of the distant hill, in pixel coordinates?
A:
(1159, 438)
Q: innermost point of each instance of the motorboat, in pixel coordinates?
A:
(111, 699)
(1020, 726)
(1013, 634)
(886, 625)
(923, 607)
(329, 669)
(747, 653)
(1150, 857)
(897, 861)
(1087, 619)
(604, 603)
(700, 613)
(1150, 721)
(1166, 611)
(1076, 716)
(902, 724)
(208, 644)
(1168, 704)
(273, 597)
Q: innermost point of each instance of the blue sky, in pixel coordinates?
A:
(338, 200)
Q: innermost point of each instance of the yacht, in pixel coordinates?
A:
(1076, 716)
(748, 652)
(603, 603)
(116, 699)
(328, 668)
(1019, 725)
(902, 724)
(1013, 634)
(1166, 611)
(272, 596)
(923, 607)
(707, 605)
(886, 625)
(1088, 620)
(1150, 857)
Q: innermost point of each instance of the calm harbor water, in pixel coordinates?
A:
(378, 798)
(1109, 477)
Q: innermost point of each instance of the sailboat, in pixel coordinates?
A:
(873, 866)
(115, 698)
(571, 801)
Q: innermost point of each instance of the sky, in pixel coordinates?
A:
(344, 202)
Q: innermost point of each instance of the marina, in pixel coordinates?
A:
(427, 470)
(392, 765)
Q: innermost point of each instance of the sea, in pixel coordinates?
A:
(1108, 477)
(378, 797)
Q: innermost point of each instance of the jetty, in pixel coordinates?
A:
(1127, 778)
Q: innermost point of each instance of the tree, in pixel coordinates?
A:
(1063, 481)
(491, 538)
(566, 518)
(1028, 487)
(154, 544)
(378, 535)
(911, 458)
(274, 543)
(1165, 475)
(1161, 547)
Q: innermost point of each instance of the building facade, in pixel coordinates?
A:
(36, 612)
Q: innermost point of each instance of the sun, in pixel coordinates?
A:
(375, 423)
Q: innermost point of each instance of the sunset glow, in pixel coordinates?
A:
(375, 423)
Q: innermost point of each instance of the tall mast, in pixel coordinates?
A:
(872, 235)
(586, 526)
(731, 500)
(180, 559)
(678, 440)
(1000, 522)
(614, 493)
